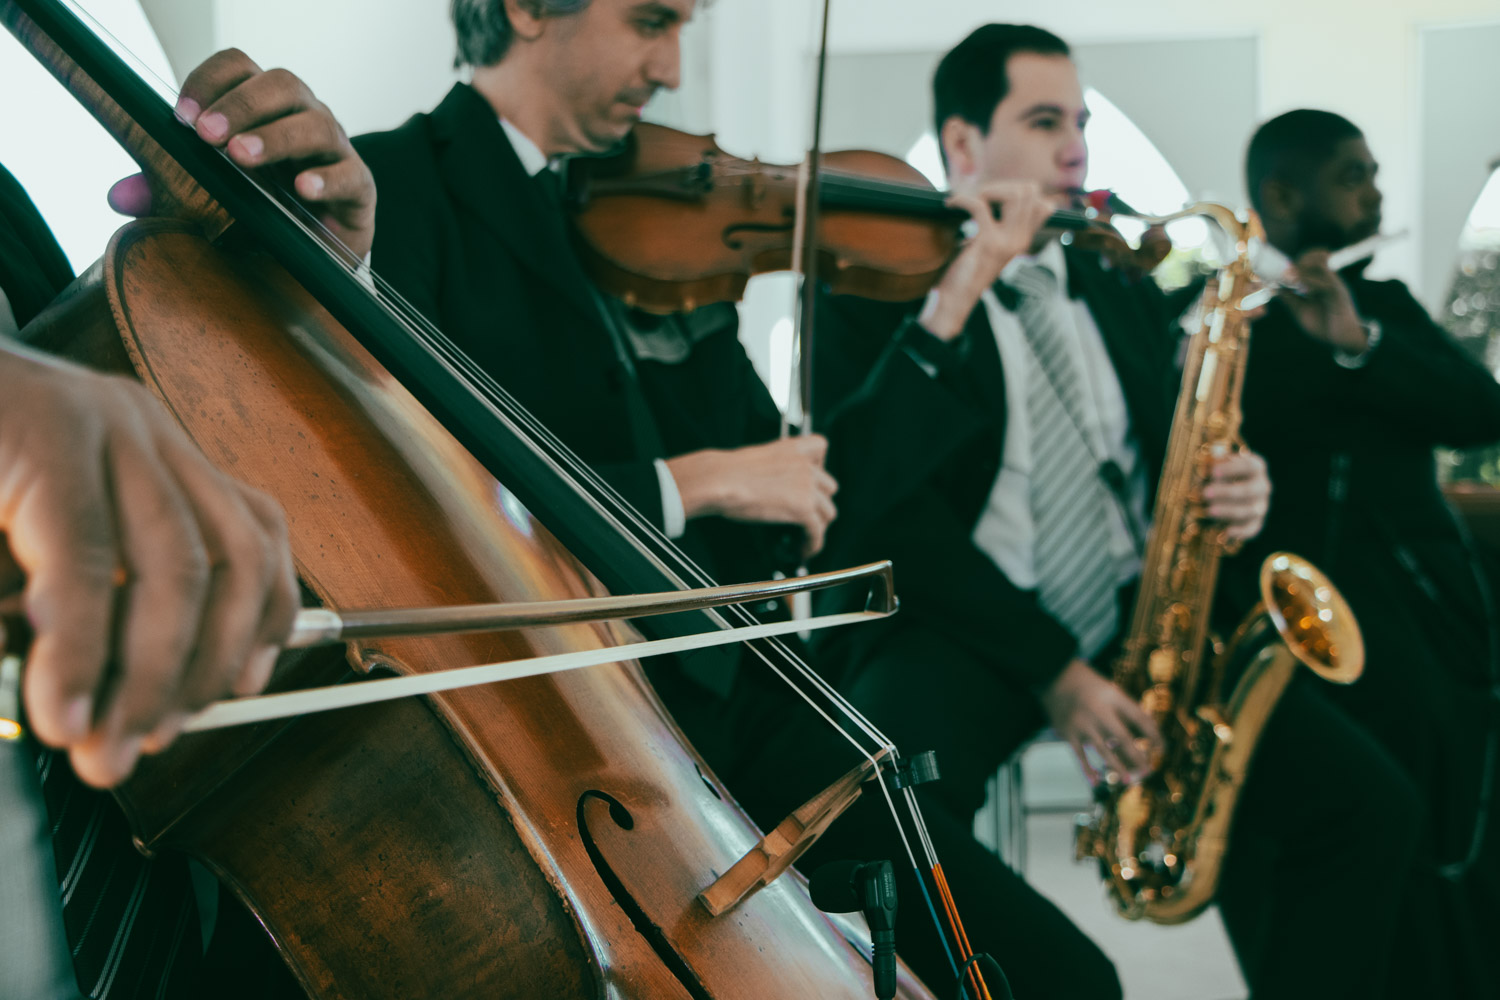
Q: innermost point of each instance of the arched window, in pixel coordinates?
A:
(1472, 315)
(1473, 307)
(1123, 160)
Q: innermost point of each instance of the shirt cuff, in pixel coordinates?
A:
(1358, 359)
(928, 351)
(673, 517)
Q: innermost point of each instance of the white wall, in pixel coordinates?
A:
(374, 62)
(1201, 122)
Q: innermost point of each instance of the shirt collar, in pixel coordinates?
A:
(533, 160)
(1053, 259)
(1050, 256)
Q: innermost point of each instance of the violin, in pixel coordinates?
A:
(672, 222)
(547, 837)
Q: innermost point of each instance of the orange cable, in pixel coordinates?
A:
(961, 937)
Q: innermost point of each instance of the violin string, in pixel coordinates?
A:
(872, 193)
(557, 453)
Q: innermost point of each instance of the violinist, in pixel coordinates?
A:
(153, 582)
(1380, 385)
(669, 410)
(999, 440)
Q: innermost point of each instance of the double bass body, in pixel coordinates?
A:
(542, 838)
(545, 837)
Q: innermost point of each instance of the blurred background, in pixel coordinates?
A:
(1175, 87)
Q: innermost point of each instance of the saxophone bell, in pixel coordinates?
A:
(1312, 618)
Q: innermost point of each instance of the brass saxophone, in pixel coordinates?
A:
(1160, 842)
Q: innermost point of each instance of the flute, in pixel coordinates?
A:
(1337, 261)
(1356, 252)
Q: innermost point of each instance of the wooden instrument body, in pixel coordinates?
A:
(545, 837)
(676, 223)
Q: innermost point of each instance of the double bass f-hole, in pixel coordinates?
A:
(605, 809)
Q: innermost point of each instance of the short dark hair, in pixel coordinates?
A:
(485, 33)
(973, 79)
(1292, 146)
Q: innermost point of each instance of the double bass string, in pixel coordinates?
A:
(422, 328)
(607, 501)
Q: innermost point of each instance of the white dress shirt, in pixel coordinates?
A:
(674, 516)
(1006, 531)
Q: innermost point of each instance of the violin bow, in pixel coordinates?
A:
(805, 266)
(804, 250)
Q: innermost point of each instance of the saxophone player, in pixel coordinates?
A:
(1379, 385)
(1000, 441)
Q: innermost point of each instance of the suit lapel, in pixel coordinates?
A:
(1133, 343)
(985, 366)
(483, 173)
(32, 266)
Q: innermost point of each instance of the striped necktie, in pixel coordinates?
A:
(1069, 503)
(132, 923)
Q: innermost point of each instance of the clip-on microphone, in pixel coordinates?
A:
(870, 888)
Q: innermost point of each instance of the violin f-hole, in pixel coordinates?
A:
(731, 234)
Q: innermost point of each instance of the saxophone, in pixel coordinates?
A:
(1159, 843)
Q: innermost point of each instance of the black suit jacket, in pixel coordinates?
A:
(917, 454)
(33, 268)
(467, 236)
(1351, 458)
(1418, 390)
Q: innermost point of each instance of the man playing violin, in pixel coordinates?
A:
(1379, 385)
(668, 410)
(154, 584)
(1001, 447)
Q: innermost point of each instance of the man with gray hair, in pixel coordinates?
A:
(484, 32)
(669, 411)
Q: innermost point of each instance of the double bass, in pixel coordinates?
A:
(547, 837)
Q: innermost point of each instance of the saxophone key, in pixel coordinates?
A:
(1162, 665)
